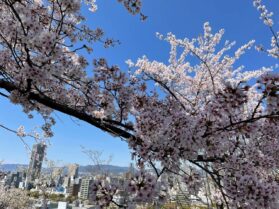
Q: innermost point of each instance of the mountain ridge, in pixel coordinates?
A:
(10, 167)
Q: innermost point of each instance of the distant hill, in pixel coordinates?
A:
(82, 169)
(12, 167)
(107, 168)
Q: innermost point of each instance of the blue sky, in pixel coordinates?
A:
(184, 18)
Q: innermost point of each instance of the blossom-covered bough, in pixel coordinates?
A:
(204, 115)
(14, 199)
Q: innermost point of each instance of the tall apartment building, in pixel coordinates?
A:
(85, 188)
(36, 162)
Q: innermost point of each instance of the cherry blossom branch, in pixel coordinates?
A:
(246, 121)
(106, 125)
(20, 137)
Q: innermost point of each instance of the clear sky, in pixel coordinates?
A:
(184, 18)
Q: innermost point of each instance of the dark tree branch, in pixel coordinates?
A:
(105, 125)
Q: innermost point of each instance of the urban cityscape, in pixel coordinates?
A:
(68, 188)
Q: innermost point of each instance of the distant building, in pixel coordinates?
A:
(121, 197)
(57, 176)
(14, 179)
(21, 185)
(62, 205)
(36, 161)
(73, 189)
(73, 170)
(2, 175)
(66, 182)
(85, 188)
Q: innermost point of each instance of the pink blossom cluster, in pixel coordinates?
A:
(193, 182)
(102, 193)
(141, 187)
(266, 16)
(211, 117)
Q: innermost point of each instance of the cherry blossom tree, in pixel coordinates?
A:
(203, 112)
(14, 199)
